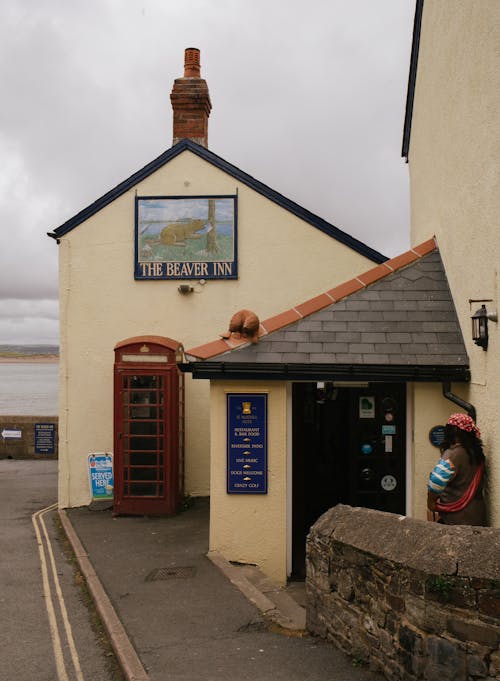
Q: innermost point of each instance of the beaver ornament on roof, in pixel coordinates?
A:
(244, 324)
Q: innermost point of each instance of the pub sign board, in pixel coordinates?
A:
(247, 443)
(186, 237)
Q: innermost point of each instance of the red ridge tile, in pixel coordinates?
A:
(345, 289)
(374, 274)
(402, 260)
(281, 320)
(314, 304)
(236, 342)
(262, 331)
(426, 247)
(209, 349)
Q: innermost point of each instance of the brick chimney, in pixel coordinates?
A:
(191, 102)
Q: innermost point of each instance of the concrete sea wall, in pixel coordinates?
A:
(28, 437)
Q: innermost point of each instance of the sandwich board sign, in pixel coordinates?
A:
(101, 475)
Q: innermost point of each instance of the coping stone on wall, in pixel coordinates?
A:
(429, 547)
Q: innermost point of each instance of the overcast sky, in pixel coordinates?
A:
(308, 97)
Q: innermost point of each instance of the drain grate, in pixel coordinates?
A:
(171, 573)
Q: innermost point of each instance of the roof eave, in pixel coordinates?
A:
(412, 78)
(321, 372)
(240, 175)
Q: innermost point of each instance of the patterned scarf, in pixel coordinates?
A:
(464, 422)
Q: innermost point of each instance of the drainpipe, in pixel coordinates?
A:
(469, 408)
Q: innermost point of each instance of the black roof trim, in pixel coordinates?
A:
(225, 166)
(412, 78)
(322, 372)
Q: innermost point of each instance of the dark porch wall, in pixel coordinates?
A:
(24, 447)
(413, 599)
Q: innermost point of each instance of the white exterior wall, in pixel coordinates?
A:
(282, 261)
(431, 409)
(455, 184)
(251, 528)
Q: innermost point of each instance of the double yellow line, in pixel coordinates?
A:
(53, 593)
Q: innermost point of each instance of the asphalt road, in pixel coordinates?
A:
(47, 625)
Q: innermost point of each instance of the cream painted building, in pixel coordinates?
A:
(117, 280)
(360, 359)
(452, 145)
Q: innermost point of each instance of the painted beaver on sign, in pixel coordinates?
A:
(178, 233)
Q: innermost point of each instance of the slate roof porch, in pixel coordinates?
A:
(396, 322)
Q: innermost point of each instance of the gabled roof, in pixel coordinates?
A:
(225, 166)
(396, 322)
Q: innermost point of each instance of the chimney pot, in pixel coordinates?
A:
(192, 63)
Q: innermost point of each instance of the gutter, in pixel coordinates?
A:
(325, 372)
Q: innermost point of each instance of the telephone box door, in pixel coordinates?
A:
(148, 437)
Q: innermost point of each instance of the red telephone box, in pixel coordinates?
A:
(148, 426)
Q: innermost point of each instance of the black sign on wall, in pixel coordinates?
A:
(45, 438)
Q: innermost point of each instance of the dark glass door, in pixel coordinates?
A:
(349, 447)
(377, 447)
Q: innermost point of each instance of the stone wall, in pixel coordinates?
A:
(411, 599)
(18, 441)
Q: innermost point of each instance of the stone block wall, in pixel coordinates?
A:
(23, 447)
(411, 599)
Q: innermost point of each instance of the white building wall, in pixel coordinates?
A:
(455, 183)
(282, 261)
(252, 528)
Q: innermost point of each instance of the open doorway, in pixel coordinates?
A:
(349, 447)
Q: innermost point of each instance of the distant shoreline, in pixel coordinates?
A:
(28, 359)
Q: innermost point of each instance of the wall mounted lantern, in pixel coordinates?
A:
(480, 326)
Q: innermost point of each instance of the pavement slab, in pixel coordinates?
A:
(183, 616)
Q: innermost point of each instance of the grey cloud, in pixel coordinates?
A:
(309, 100)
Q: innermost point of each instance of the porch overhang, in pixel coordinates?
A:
(327, 372)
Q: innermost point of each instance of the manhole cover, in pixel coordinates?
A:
(171, 573)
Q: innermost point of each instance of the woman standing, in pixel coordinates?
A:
(455, 488)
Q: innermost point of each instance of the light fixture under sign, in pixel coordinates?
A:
(185, 289)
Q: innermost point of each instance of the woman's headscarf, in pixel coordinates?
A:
(464, 422)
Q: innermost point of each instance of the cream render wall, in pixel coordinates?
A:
(282, 261)
(431, 409)
(251, 528)
(455, 183)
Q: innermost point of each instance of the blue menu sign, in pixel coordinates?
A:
(45, 438)
(101, 475)
(247, 443)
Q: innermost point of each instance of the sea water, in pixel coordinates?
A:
(29, 389)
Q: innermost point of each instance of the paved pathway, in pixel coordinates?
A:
(32, 648)
(185, 619)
